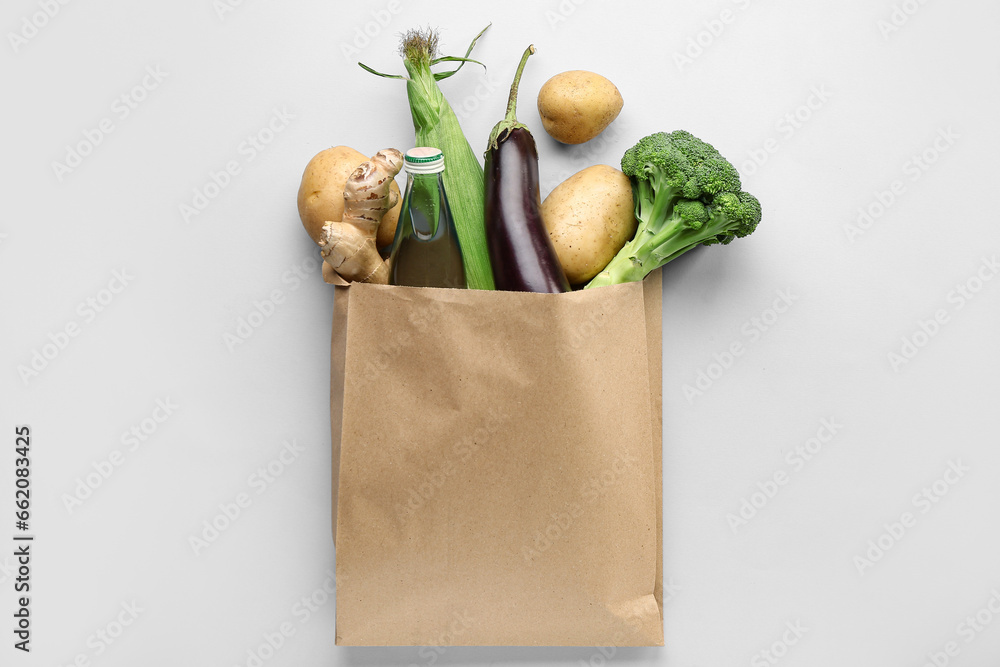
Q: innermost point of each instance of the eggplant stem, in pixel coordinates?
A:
(509, 123)
(512, 100)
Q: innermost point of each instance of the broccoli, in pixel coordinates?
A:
(686, 194)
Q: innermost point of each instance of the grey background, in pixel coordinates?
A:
(885, 81)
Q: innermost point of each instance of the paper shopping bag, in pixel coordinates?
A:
(497, 466)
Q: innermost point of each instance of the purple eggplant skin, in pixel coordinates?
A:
(520, 249)
(521, 252)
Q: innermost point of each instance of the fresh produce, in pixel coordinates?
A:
(589, 218)
(576, 106)
(321, 193)
(435, 124)
(348, 245)
(522, 254)
(686, 195)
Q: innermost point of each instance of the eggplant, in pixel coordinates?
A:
(521, 252)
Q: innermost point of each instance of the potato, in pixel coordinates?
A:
(576, 106)
(589, 217)
(321, 194)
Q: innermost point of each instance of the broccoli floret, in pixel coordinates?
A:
(735, 214)
(686, 194)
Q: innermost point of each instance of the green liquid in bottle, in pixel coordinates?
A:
(425, 251)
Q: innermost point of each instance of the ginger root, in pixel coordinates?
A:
(348, 245)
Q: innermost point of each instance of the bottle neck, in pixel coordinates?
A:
(433, 176)
(422, 185)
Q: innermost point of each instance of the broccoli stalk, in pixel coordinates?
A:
(686, 194)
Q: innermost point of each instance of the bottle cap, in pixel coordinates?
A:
(423, 160)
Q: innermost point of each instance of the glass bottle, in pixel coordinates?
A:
(425, 251)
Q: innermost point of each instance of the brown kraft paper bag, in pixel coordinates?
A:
(497, 466)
